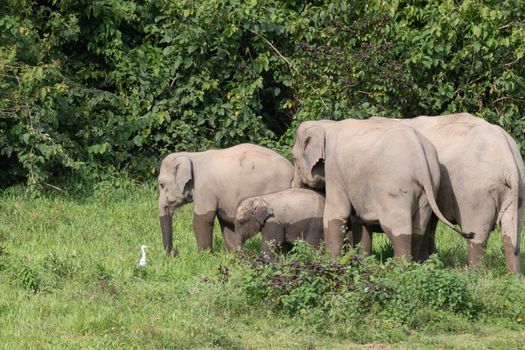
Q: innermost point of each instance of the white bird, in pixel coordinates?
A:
(142, 261)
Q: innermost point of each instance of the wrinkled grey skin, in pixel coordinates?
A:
(378, 173)
(215, 181)
(482, 182)
(282, 217)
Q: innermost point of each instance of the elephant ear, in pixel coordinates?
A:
(183, 172)
(314, 145)
(261, 212)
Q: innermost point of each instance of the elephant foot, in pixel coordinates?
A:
(476, 252)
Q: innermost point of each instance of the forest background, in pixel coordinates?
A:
(95, 87)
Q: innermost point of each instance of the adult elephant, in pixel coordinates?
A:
(377, 172)
(215, 181)
(482, 182)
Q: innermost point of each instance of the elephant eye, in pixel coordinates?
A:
(161, 185)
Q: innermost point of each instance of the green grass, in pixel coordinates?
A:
(69, 278)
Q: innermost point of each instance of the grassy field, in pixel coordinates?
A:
(69, 278)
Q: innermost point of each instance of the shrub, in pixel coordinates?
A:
(358, 293)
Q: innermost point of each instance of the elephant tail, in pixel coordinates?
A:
(425, 178)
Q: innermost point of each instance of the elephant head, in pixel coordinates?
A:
(175, 189)
(309, 156)
(250, 217)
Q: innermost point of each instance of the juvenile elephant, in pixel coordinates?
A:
(482, 182)
(215, 181)
(282, 217)
(377, 172)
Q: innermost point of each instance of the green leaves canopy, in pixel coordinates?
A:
(92, 86)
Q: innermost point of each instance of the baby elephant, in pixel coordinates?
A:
(282, 217)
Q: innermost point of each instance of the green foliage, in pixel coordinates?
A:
(407, 58)
(69, 278)
(344, 298)
(155, 77)
(95, 87)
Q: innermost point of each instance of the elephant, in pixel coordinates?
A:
(215, 181)
(283, 217)
(377, 173)
(482, 180)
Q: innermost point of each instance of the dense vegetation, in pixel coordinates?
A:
(90, 87)
(70, 279)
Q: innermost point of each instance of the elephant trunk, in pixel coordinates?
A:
(297, 182)
(167, 233)
(245, 231)
(234, 240)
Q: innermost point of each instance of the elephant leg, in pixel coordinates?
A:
(203, 227)
(314, 239)
(512, 255)
(361, 234)
(417, 246)
(314, 234)
(477, 216)
(428, 243)
(336, 213)
(477, 245)
(399, 230)
(511, 226)
(227, 232)
(272, 238)
(402, 245)
(476, 252)
(424, 223)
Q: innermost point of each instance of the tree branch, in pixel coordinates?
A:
(274, 49)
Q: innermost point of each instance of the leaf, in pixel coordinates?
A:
(519, 53)
(167, 50)
(98, 148)
(192, 49)
(258, 83)
(477, 31)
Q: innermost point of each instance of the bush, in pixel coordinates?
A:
(349, 297)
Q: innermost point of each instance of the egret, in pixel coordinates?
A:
(142, 261)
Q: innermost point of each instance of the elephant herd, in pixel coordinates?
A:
(397, 176)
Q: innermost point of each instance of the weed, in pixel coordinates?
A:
(26, 277)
